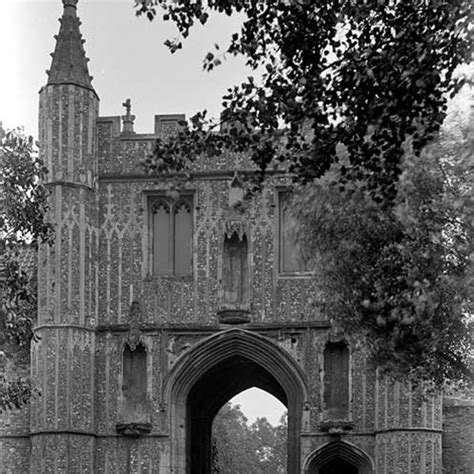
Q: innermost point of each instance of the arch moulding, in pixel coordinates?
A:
(207, 354)
(338, 450)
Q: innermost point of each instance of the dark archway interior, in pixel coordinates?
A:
(338, 466)
(225, 380)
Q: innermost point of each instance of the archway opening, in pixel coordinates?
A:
(256, 403)
(216, 387)
(210, 374)
(339, 457)
(338, 466)
(250, 434)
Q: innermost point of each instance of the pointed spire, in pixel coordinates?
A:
(69, 65)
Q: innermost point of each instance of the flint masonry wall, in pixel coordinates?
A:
(80, 372)
(458, 436)
(177, 313)
(390, 423)
(396, 428)
(15, 441)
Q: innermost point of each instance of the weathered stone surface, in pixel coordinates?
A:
(458, 436)
(196, 357)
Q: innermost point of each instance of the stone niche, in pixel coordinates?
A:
(135, 407)
(235, 280)
(335, 416)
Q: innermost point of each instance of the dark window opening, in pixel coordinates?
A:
(338, 466)
(172, 234)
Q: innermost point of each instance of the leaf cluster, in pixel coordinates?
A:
(18, 301)
(398, 277)
(24, 194)
(365, 74)
(14, 393)
(22, 225)
(242, 448)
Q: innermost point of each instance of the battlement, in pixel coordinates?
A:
(121, 149)
(165, 125)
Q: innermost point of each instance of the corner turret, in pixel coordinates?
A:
(69, 108)
(67, 270)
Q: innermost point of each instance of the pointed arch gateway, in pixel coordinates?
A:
(210, 374)
(338, 457)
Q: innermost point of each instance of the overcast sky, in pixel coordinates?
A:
(128, 60)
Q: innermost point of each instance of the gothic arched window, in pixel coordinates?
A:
(171, 236)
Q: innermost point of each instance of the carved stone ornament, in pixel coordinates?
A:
(135, 312)
(134, 333)
(336, 334)
(133, 429)
(236, 191)
(336, 426)
(233, 316)
(133, 338)
(236, 226)
(128, 119)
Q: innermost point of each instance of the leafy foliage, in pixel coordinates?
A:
(22, 225)
(365, 74)
(270, 443)
(387, 225)
(398, 277)
(239, 448)
(15, 392)
(19, 301)
(25, 196)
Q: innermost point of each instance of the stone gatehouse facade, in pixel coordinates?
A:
(157, 305)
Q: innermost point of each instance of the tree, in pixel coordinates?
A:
(234, 451)
(351, 95)
(270, 445)
(400, 277)
(367, 75)
(22, 225)
(280, 450)
(240, 448)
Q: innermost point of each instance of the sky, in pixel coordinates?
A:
(127, 60)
